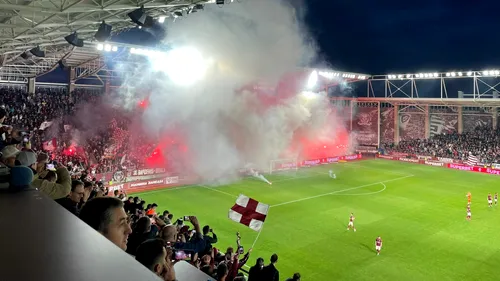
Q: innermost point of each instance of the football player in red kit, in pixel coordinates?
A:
(490, 201)
(351, 222)
(469, 214)
(378, 245)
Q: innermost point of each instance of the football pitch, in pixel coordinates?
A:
(419, 211)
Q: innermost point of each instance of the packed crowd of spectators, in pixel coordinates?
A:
(156, 240)
(482, 142)
(98, 152)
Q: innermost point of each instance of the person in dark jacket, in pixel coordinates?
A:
(255, 272)
(296, 277)
(270, 273)
(142, 231)
(74, 198)
(208, 240)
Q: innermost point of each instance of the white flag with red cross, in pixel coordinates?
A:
(249, 212)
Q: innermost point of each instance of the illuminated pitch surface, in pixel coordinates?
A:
(421, 219)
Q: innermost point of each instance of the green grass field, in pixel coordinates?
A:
(419, 211)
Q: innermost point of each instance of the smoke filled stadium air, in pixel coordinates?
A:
(210, 140)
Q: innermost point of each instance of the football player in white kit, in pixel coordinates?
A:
(332, 174)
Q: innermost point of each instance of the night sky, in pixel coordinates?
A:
(388, 36)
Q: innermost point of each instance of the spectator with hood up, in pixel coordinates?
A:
(55, 190)
(255, 272)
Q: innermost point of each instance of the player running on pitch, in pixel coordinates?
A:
(496, 198)
(378, 245)
(469, 213)
(469, 197)
(490, 201)
(332, 174)
(351, 222)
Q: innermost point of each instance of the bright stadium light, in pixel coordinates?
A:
(184, 66)
(460, 74)
(161, 19)
(100, 47)
(114, 48)
(408, 75)
(469, 73)
(313, 80)
(107, 47)
(309, 95)
(436, 74)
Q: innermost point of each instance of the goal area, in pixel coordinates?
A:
(283, 165)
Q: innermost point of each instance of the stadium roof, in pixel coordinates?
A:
(26, 24)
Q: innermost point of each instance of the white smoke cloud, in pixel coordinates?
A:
(223, 127)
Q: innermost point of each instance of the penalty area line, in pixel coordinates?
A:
(338, 191)
(220, 191)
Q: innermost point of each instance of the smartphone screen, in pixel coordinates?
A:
(180, 255)
(49, 166)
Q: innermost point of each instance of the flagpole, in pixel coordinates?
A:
(260, 230)
(257, 238)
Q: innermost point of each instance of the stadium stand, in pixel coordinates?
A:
(152, 237)
(483, 142)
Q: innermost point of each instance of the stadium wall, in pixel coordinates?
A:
(378, 122)
(443, 162)
(162, 181)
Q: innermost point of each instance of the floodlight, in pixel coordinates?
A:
(453, 74)
(469, 73)
(448, 74)
(37, 52)
(408, 75)
(460, 74)
(436, 74)
(100, 47)
(161, 19)
(104, 32)
(313, 79)
(140, 18)
(72, 39)
(309, 95)
(184, 66)
(107, 47)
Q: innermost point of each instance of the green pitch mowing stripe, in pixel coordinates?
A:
(419, 211)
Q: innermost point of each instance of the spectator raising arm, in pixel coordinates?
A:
(55, 190)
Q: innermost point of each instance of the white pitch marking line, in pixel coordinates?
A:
(368, 193)
(338, 191)
(164, 189)
(220, 191)
(295, 178)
